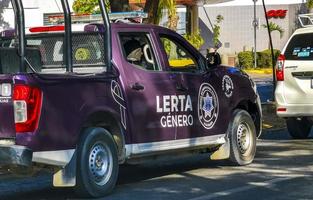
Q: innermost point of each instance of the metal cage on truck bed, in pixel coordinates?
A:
(68, 38)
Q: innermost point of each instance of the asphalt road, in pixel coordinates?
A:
(283, 169)
(264, 86)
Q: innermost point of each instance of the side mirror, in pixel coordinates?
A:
(213, 59)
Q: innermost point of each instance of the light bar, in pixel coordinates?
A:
(87, 18)
(46, 29)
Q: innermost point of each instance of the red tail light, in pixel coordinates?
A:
(27, 108)
(280, 68)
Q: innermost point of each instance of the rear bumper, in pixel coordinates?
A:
(293, 110)
(15, 155)
(285, 109)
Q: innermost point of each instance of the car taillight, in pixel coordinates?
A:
(27, 108)
(280, 68)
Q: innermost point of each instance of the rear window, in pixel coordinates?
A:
(45, 53)
(300, 47)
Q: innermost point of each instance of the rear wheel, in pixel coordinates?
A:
(97, 163)
(242, 137)
(298, 128)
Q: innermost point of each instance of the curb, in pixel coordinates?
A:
(258, 71)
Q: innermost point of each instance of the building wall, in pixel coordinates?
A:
(34, 11)
(237, 29)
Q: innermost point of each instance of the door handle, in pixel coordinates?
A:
(138, 87)
(181, 87)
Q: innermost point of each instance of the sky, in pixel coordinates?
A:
(268, 2)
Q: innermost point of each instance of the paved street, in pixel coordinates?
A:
(265, 86)
(283, 169)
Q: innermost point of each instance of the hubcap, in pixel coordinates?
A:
(244, 138)
(100, 163)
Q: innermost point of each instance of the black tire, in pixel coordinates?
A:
(242, 138)
(96, 143)
(298, 128)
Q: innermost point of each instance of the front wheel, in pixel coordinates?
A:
(242, 138)
(298, 128)
(97, 163)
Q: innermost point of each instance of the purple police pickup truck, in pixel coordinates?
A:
(88, 97)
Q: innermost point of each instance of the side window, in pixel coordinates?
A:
(138, 51)
(179, 58)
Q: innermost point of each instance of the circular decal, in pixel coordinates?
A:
(82, 54)
(227, 86)
(208, 106)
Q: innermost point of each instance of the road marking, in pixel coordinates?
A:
(252, 185)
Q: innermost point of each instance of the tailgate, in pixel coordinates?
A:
(299, 82)
(7, 122)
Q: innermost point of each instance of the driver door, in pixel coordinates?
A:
(207, 116)
(148, 91)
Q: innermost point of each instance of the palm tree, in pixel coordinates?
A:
(274, 27)
(170, 5)
(309, 5)
(155, 8)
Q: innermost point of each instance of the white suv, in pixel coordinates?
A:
(294, 90)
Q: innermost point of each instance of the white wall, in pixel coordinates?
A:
(34, 10)
(237, 28)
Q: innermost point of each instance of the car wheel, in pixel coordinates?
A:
(298, 128)
(97, 163)
(242, 138)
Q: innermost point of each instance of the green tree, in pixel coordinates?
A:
(155, 12)
(217, 30)
(3, 4)
(195, 39)
(92, 6)
(170, 6)
(309, 5)
(274, 27)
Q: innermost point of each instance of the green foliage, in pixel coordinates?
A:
(264, 59)
(88, 6)
(167, 45)
(275, 27)
(170, 5)
(309, 4)
(217, 30)
(195, 39)
(246, 59)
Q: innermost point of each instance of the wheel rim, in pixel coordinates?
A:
(244, 138)
(100, 163)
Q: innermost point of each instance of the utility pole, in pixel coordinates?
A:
(255, 26)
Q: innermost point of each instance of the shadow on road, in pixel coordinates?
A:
(277, 156)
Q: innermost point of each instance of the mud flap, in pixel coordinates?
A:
(223, 152)
(66, 177)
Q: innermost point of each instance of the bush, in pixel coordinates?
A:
(245, 59)
(264, 59)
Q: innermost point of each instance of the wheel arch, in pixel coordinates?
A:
(255, 112)
(108, 121)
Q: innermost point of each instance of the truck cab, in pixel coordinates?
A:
(158, 97)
